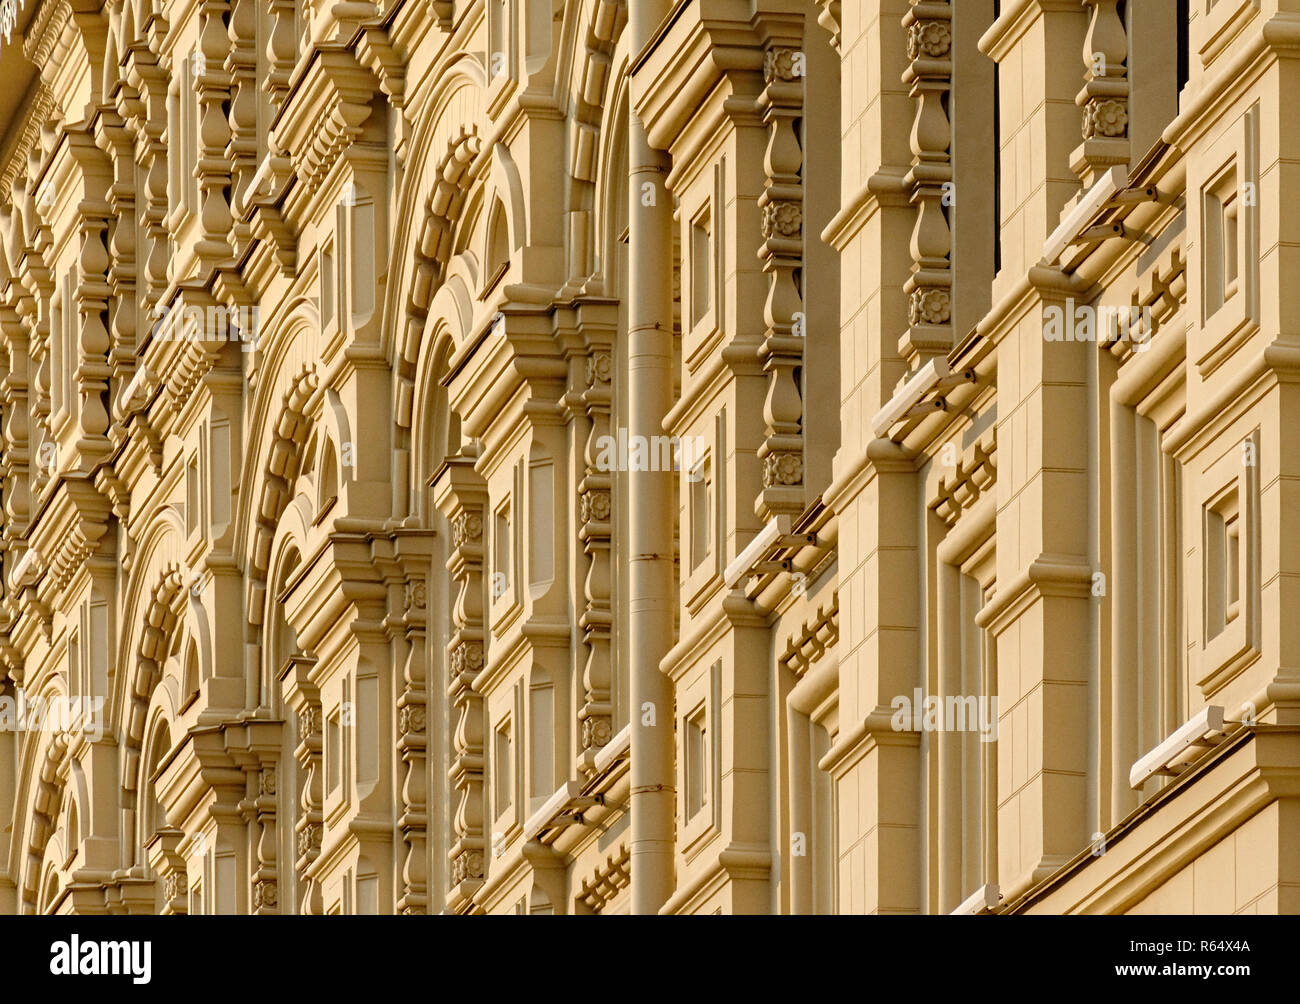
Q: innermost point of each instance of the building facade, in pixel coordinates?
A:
(607, 456)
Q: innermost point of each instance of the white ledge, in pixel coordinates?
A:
(614, 750)
(1196, 732)
(986, 897)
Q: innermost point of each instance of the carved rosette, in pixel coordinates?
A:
(930, 306)
(411, 720)
(266, 896)
(782, 63)
(783, 219)
(176, 885)
(597, 730)
(1108, 119)
(309, 839)
(414, 596)
(466, 660)
(466, 866)
(594, 505)
(600, 369)
(466, 529)
(929, 39)
(782, 470)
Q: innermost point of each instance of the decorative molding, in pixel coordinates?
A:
(1104, 98)
(782, 255)
(813, 639)
(975, 475)
(928, 27)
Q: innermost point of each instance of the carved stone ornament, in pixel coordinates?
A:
(309, 721)
(412, 719)
(782, 219)
(782, 64)
(600, 368)
(782, 469)
(594, 506)
(466, 528)
(466, 658)
(468, 865)
(176, 884)
(1105, 118)
(309, 838)
(930, 306)
(596, 732)
(929, 38)
(266, 893)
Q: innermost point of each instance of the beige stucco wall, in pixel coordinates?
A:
(391, 393)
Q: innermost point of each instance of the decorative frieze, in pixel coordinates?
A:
(813, 639)
(974, 476)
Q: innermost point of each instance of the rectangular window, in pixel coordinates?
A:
(1230, 246)
(498, 37)
(697, 761)
(541, 542)
(368, 896)
(502, 774)
(57, 361)
(192, 495)
(219, 495)
(327, 296)
(701, 274)
(74, 667)
(541, 753)
(1222, 562)
(333, 753)
(501, 552)
(1222, 256)
(701, 512)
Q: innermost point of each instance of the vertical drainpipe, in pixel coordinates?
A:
(650, 396)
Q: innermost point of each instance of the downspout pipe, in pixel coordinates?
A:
(650, 396)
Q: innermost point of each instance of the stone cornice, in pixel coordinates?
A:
(1235, 79)
(1017, 17)
(696, 51)
(324, 115)
(37, 113)
(67, 531)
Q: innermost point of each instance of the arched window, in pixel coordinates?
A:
(190, 677)
(327, 488)
(282, 641)
(159, 746)
(498, 246)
